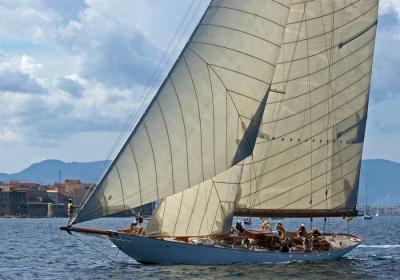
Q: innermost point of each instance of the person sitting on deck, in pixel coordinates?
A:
(301, 231)
(316, 241)
(265, 225)
(239, 226)
(281, 230)
(285, 246)
(139, 218)
(315, 232)
(134, 223)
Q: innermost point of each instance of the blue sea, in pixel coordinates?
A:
(37, 249)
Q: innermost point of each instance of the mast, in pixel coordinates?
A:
(366, 197)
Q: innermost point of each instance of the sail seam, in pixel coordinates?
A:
(246, 12)
(324, 68)
(154, 158)
(138, 173)
(122, 188)
(342, 190)
(326, 50)
(234, 50)
(335, 29)
(319, 87)
(300, 143)
(213, 115)
(191, 214)
(279, 3)
(303, 170)
(184, 129)
(331, 183)
(234, 71)
(339, 93)
(200, 122)
(170, 148)
(324, 15)
(241, 31)
(202, 219)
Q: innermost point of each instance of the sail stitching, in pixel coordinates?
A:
(138, 175)
(324, 68)
(249, 13)
(122, 188)
(305, 154)
(213, 115)
(233, 50)
(200, 122)
(323, 15)
(342, 190)
(301, 171)
(202, 219)
(241, 31)
(184, 129)
(322, 85)
(319, 118)
(170, 148)
(154, 158)
(337, 180)
(337, 94)
(320, 175)
(339, 27)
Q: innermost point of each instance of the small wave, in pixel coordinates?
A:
(380, 246)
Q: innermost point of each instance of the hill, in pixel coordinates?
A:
(382, 177)
(46, 172)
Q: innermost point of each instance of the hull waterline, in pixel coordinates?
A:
(156, 251)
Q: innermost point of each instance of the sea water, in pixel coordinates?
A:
(37, 249)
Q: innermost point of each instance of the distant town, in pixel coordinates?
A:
(24, 199)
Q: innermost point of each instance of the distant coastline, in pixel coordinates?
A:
(382, 177)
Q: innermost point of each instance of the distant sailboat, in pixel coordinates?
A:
(262, 115)
(366, 216)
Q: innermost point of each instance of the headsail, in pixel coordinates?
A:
(308, 155)
(191, 130)
(204, 209)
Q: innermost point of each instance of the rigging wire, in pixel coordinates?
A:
(94, 248)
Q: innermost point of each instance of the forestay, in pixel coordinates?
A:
(192, 129)
(308, 154)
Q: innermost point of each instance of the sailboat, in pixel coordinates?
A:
(366, 216)
(262, 115)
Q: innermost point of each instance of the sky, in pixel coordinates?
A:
(75, 75)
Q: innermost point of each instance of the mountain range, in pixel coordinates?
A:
(381, 176)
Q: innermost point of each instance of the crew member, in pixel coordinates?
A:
(301, 231)
(265, 225)
(239, 226)
(71, 208)
(315, 232)
(281, 230)
(139, 218)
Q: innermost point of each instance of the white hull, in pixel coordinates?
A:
(156, 251)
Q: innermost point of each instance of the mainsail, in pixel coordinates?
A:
(307, 159)
(194, 128)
